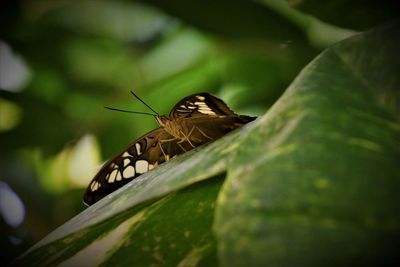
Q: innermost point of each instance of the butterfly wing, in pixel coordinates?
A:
(201, 104)
(141, 156)
(204, 117)
(204, 129)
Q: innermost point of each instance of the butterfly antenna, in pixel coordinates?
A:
(144, 103)
(128, 111)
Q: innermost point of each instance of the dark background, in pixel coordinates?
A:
(61, 62)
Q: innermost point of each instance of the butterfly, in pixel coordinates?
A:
(195, 120)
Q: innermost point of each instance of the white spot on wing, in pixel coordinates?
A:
(113, 176)
(95, 186)
(126, 162)
(199, 97)
(129, 172)
(138, 149)
(200, 103)
(119, 176)
(141, 166)
(208, 112)
(126, 154)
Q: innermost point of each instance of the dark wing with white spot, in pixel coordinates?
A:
(201, 104)
(141, 156)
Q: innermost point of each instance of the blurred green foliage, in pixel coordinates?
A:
(74, 57)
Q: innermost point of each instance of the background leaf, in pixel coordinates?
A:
(357, 15)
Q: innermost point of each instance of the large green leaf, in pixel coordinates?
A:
(312, 182)
(173, 230)
(317, 180)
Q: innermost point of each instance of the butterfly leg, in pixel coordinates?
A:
(166, 156)
(186, 138)
(173, 139)
(169, 140)
(203, 133)
(183, 149)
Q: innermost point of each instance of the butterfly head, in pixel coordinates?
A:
(162, 121)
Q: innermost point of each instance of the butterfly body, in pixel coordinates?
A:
(178, 128)
(195, 120)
